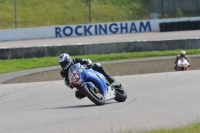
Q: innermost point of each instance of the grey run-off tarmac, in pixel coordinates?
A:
(148, 36)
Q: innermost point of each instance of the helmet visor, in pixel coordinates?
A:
(183, 55)
(65, 64)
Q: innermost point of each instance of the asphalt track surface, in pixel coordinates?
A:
(156, 100)
(149, 36)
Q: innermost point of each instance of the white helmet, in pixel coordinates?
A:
(183, 53)
(64, 61)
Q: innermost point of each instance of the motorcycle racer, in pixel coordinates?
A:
(65, 62)
(181, 55)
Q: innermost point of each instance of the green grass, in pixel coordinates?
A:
(9, 65)
(190, 128)
(36, 13)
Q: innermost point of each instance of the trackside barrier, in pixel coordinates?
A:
(93, 29)
(100, 48)
(179, 26)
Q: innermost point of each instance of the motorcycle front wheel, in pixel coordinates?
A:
(95, 96)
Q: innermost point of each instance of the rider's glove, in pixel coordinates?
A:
(68, 84)
(71, 87)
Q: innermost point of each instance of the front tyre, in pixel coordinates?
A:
(121, 94)
(95, 96)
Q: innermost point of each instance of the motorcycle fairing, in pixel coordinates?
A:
(182, 62)
(110, 94)
(78, 75)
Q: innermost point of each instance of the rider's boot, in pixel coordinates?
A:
(109, 77)
(112, 81)
(79, 95)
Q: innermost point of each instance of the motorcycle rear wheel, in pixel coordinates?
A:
(121, 94)
(95, 97)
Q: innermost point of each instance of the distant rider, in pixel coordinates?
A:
(181, 55)
(65, 62)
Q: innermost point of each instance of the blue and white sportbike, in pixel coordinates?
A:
(94, 85)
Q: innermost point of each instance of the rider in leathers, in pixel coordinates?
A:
(65, 61)
(182, 54)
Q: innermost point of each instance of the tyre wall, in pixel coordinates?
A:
(179, 26)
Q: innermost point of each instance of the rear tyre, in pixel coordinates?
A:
(121, 94)
(95, 96)
(182, 68)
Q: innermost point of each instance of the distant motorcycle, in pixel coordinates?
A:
(182, 65)
(94, 85)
